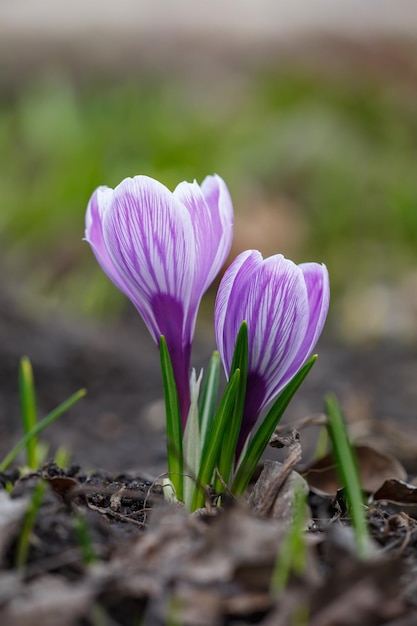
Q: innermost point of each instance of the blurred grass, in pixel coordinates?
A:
(342, 151)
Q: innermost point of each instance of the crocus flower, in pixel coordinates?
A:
(285, 306)
(163, 249)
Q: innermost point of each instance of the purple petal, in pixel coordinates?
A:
(281, 321)
(163, 250)
(285, 306)
(211, 212)
(98, 205)
(147, 234)
(220, 206)
(271, 296)
(227, 316)
(318, 288)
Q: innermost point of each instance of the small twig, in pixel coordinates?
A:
(120, 516)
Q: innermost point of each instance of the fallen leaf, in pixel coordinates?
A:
(374, 468)
(396, 491)
(274, 492)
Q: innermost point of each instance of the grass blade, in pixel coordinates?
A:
(214, 440)
(173, 421)
(263, 434)
(348, 473)
(28, 410)
(51, 417)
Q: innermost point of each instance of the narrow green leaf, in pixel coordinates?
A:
(173, 421)
(191, 442)
(240, 362)
(347, 470)
(263, 434)
(28, 409)
(51, 417)
(208, 397)
(214, 439)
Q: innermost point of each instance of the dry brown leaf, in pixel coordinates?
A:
(274, 491)
(226, 562)
(63, 486)
(374, 467)
(397, 491)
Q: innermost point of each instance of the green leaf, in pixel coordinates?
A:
(347, 470)
(51, 417)
(28, 410)
(208, 397)
(173, 421)
(239, 362)
(214, 440)
(262, 436)
(191, 441)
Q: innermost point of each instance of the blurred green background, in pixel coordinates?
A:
(328, 152)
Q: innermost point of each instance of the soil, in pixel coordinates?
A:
(105, 549)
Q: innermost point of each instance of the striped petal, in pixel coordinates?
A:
(211, 212)
(285, 306)
(317, 282)
(96, 208)
(163, 250)
(148, 236)
(228, 316)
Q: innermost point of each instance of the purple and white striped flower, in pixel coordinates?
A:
(163, 249)
(285, 306)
